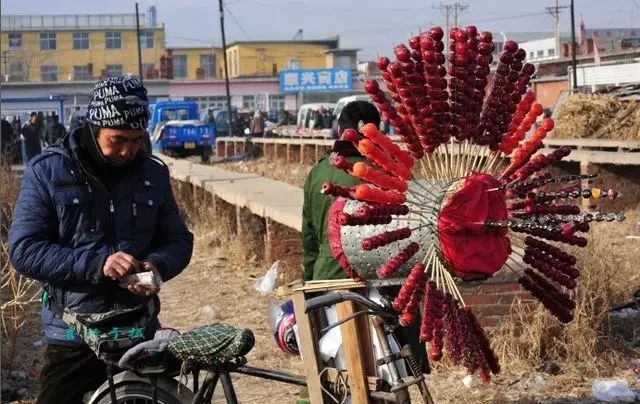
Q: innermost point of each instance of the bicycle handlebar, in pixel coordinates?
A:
(331, 298)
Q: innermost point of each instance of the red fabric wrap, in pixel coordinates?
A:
(335, 237)
(466, 245)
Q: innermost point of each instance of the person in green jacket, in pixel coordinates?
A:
(318, 262)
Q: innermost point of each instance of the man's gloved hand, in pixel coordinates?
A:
(119, 265)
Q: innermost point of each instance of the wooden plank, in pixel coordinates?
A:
(308, 349)
(600, 157)
(326, 284)
(595, 143)
(356, 345)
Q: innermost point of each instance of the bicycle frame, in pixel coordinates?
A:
(204, 393)
(222, 373)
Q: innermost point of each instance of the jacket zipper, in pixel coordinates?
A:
(134, 211)
(92, 216)
(110, 219)
(112, 210)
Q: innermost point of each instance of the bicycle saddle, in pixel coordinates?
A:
(212, 344)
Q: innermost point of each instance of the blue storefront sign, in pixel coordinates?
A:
(310, 80)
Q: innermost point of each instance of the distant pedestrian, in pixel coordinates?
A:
(256, 127)
(77, 120)
(54, 130)
(327, 115)
(318, 119)
(6, 141)
(17, 126)
(31, 145)
(210, 118)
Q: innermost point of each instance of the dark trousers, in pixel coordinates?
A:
(68, 374)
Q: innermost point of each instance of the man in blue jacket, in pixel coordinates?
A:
(91, 212)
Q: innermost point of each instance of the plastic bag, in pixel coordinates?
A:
(612, 390)
(265, 284)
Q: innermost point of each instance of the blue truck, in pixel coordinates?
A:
(175, 129)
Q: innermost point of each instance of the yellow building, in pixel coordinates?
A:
(196, 63)
(267, 58)
(59, 48)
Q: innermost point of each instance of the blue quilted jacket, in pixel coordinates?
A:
(66, 223)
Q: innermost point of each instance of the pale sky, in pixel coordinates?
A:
(373, 26)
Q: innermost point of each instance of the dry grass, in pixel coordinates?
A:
(18, 295)
(598, 116)
(221, 220)
(586, 347)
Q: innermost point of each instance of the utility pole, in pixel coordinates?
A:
(139, 48)
(448, 10)
(555, 14)
(573, 49)
(226, 68)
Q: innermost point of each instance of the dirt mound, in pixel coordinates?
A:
(598, 117)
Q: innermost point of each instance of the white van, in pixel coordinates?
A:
(306, 112)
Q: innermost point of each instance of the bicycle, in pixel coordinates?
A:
(152, 380)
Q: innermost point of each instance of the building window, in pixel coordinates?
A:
(47, 41)
(236, 57)
(276, 102)
(80, 40)
(146, 39)
(113, 40)
(540, 53)
(179, 66)
(81, 73)
(214, 102)
(294, 64)
(15, 40)
(114, 70)
(148, 71)
(232, 62)
(531, 55)
(49, 73)
(342, 61)
(551, 52)
(16, 71)
(249, 101)
(208, 65)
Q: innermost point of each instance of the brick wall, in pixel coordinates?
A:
(491, 302)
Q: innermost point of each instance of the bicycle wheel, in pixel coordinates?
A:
(140, 393)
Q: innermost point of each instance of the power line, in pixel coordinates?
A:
(207, 41)
(510, 17)
(452, 9)
(237, 22)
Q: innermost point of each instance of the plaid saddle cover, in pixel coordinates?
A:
(212, 344)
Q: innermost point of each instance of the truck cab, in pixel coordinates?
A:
(176, 129)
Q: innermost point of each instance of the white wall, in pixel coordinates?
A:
(611, 74)
(533, 49)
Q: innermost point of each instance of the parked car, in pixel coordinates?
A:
(176, 129)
